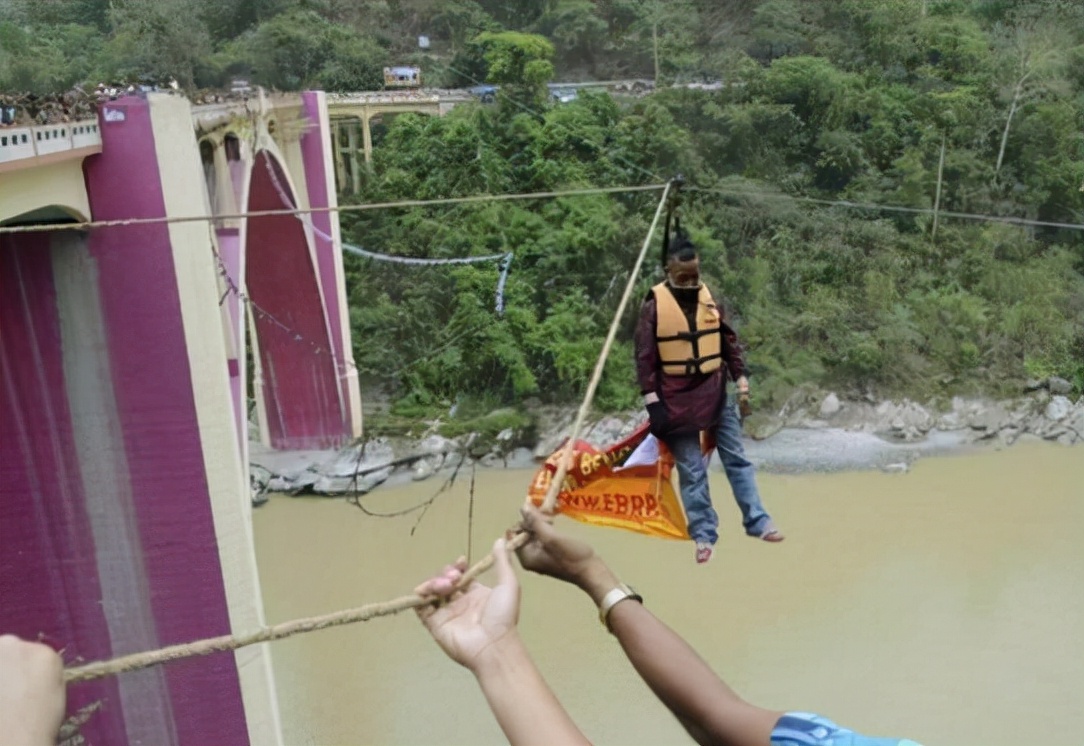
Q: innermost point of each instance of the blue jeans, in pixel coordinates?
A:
(692, 470)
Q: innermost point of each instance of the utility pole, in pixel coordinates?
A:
(655, 43)
(937, 197)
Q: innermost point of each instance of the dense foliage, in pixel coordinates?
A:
(829, 100)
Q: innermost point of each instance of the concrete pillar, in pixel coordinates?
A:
(367, 136)
(340, 154)
(355, 177)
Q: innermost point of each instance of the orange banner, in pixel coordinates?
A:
(624, 486)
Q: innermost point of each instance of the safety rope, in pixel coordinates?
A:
(505, 259)
(137, 661)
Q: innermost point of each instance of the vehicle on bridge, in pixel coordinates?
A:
(487, 94)
(403, 76)
(560, 94)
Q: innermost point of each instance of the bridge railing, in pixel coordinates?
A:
(20, 144)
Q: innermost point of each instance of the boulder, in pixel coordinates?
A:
(830, 405)
(520, 458)
(491, 460)
(258, 479)
(1058, 408)
(988, 419)
(1058, 386)
(436, 444)
(352, 459)
(761, 425)
(607, 431)
(426, 467)
(326, 484)
(1075, 420)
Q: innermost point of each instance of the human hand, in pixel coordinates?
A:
(743, 385)
(472, 623)
(32, 694)
(657, 415)
(550, 553)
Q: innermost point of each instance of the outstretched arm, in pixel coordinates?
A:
(709, 710)
(477, 629)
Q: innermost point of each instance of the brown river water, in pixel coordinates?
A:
(944, 605)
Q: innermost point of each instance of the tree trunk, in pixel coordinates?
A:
(1008, 123)
(655, 44)
(937, 196)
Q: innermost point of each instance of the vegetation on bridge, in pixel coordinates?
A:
(872, 101)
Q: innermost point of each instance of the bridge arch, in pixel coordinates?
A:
(298, 397)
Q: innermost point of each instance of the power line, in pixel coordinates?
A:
(888, 208)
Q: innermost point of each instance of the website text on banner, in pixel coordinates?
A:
(626, 485)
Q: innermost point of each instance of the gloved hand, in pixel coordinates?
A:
(660, 420)
(744, 407)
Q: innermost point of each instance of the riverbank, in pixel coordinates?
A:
(813, 432)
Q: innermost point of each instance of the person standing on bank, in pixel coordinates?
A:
(685, 353)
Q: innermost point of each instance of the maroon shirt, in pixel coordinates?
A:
(692, 402)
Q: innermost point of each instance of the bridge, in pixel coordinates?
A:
(354, 112)
(129, 355)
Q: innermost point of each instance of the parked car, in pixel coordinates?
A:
(402, 77)
(487, 94)
(562, 95)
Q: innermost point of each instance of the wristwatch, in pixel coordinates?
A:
(612, 599)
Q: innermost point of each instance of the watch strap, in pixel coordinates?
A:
(612, 598)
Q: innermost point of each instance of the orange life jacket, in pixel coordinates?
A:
(684, 351)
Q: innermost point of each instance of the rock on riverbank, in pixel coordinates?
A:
(813, 432)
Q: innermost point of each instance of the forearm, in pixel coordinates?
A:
(709, 710)
(733, 353)
(522, 701)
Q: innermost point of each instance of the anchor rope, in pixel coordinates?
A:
(223, 643)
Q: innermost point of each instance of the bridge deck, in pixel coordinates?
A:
(21, 147)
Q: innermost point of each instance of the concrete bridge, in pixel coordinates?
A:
(353, 114)
(125, 511)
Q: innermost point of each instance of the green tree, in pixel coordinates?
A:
(1034, 52)
(157, 38)
(520, 63)
(668, 27)
(579, 34)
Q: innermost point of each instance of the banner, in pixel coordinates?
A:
(624, 486)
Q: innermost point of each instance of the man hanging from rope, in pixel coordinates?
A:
(685, 354)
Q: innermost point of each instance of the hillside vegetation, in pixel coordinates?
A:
(875, 102)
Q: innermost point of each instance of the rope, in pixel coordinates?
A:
(39, 227)
(224, 643)
(550, 500)
(306, 220)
